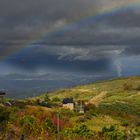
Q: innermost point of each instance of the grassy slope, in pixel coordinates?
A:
(113, 90)
(116, 103)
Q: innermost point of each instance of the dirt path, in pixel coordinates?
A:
(135, 95)
(96, 100)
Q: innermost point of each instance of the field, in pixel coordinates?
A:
(112, 112)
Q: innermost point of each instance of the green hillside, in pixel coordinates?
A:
(112, 112)
(117, 98)
(127, 90)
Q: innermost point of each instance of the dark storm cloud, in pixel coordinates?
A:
(73, 58)
(122, 28)
(127, 18)
(88, 45)
(132, 50)
(33, 61)
(21, 18)
(25, 19)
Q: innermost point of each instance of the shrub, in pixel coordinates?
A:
(113, 133)
(137, 87)
(83, 131)
(66, 112)
(4, 115)
(29, 125)
(56, 99)
(50, 126)
(125, 123)
(78, 132)
(4, 118)
(127, 86)
(46, 104)
(106, 129)
(136, 122)
(91, 110)
(46, 98)
(84, 118)
(80, 120)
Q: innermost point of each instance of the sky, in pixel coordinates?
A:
(96, 37)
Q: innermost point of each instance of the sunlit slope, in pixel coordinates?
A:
(123, 94)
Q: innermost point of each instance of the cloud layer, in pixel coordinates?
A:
(97, 46)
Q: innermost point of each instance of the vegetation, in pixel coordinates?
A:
(112, 112)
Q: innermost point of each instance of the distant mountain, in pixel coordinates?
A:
(13, 76)
(27, 85)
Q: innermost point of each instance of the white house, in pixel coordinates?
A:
(68, 103)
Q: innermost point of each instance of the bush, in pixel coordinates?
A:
(80, 120)
(77, 132)
(46, 104)
(29, 125)
(4, 115)
(83, 131)
(66, 112)
(113, 133)
(137, 87)
(91, 110)
(50, 126)
(46, 98)
(84, 118)
(56, 99)
(4, 118)
(125, 123)
(106, 129)
(136, 122)
(127, 86)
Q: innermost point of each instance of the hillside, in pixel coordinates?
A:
(127, 89)
(112, 112)
(117, 97)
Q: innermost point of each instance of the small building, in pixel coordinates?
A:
(68, 103)
(80, 106)
(2, 94)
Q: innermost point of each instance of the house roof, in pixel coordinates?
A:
(67, 100)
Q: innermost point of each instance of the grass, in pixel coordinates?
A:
(119, 104)
(97, 123)
(114, 89)
(115, 102)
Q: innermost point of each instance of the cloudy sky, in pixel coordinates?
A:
(98, 37)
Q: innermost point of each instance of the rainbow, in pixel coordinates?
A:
(108, 11)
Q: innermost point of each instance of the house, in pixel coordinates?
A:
(78, 106)
(2, 94)
(68, 103)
